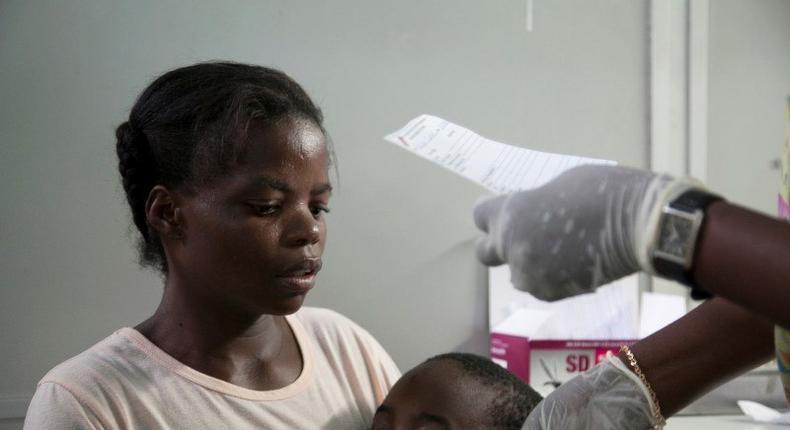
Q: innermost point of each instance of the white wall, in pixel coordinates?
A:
(400, 256)
(749, 83)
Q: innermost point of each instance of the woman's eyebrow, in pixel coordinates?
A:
(276, 184)
(321, 189)
(283, 186)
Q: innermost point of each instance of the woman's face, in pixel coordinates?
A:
(253, 238)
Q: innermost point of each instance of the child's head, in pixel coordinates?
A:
(225, 170)
(456, 391)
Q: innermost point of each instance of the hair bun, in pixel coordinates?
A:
(126, 132)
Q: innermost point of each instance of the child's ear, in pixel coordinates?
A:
(163, 213)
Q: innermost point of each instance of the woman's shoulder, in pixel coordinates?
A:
(346, 347)
(100, 365)
(76, 392)
(332, 331)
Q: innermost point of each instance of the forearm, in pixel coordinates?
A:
(716, 341)
(745, 257)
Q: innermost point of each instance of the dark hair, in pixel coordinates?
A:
(190, 125)
(513, 398)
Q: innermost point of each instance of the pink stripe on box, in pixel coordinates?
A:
(579, 344)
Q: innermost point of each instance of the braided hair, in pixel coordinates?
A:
(189, 126)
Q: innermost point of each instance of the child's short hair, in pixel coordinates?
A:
(514, 399)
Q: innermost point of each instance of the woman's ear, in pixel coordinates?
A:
(163, 213)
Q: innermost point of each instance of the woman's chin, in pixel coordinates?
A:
(286, 306)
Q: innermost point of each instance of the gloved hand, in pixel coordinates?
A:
(606, 397)
(587, 227)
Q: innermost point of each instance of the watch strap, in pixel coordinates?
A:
(689, 201)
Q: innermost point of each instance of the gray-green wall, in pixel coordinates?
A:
(400, 255)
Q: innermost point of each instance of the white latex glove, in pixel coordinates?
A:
(589, 226)
(606, 397)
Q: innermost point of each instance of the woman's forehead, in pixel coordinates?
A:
(288, 137)
(282, 156)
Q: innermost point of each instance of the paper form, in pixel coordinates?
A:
(499, 167)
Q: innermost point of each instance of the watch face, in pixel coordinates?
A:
(675, 234)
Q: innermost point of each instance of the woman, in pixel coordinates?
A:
(225, 168)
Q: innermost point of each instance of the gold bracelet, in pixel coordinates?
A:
(660, 421)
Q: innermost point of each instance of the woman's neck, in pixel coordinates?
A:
(254, 351)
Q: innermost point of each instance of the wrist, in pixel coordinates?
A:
(658, 194)
(627, 363)
(679, 229)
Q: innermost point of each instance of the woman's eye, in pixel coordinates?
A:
(268, 209)
(317, 210)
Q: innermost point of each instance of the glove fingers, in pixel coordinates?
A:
(485, 209)
(537, 284)
(487, 252)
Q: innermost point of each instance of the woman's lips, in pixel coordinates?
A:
(300, 277)
(299, 283)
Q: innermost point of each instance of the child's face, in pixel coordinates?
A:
(254, 236)
(436, 395)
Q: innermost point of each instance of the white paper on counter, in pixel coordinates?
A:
(499, 167)
(611, 312)
(763, 414)
(524, 322)
(658, 311)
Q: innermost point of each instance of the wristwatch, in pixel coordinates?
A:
(679, 227)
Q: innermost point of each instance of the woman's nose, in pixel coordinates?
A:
(302, 229)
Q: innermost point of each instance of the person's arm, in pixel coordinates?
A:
(711, 344)
(708, 346)
(745, 257)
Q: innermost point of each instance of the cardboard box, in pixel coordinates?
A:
(545, 343)
(545, 364)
